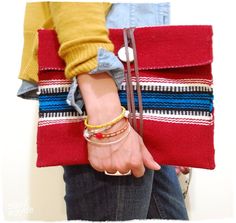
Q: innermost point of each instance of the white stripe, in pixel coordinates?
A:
(167, 80)
(159, 119)
(60, 118)
(55, 86)
(55, 80)
(62, 121)
(182, 121)
(147, 114)
(170, 84)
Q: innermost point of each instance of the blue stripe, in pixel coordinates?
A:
(59, 96)
(155, 100)
(174, 101)
(198, 101)
(172, 95)
(173, 106)
(53, 107)
(55, 102)
(57, 107)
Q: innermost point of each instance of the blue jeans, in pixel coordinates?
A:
(95, 196)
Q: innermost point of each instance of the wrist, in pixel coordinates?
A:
(106, 113)
(100, 96)
(123, 123)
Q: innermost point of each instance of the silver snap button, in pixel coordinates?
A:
(122, 55)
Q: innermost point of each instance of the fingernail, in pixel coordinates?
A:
(157, 165)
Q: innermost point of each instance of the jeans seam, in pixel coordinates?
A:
(159, 208)
(118, 200)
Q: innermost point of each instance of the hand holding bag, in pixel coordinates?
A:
(174, 66)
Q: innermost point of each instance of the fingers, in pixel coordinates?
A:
(125, 162)
(148, 160)
(132, 155)
(182, 169)
(109, 166)
(96, 165)
(177, 170)
(136, 166)
(138, 171)
(102, 164)
(121, 164)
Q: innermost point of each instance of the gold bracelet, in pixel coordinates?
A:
(123, 114)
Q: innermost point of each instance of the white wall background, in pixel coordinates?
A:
(31, 193)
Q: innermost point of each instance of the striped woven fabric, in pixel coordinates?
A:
(189, 102)
(177, 94)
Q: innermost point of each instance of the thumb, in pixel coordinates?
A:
(148, 160)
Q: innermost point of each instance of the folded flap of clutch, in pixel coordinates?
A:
(158, 47)
(170, 46)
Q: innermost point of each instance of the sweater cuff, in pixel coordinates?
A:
(82, 58)
(109, 62)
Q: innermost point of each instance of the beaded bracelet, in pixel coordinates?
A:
(110, 143)
(123, 114)
(94, 131)
(100, 135)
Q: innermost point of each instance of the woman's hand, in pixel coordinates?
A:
(103, 105)
(129, 154)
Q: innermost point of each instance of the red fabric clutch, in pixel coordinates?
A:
(176, 83)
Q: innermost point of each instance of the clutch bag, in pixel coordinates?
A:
(175, 78)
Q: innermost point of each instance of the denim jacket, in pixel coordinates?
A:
(121, 15)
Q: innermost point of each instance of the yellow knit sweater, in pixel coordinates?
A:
(81, 30)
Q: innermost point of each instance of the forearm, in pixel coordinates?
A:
(100, 96)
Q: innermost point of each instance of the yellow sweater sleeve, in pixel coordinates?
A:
(81, 31)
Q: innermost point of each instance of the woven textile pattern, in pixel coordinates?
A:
(182, 101)
(177, 95)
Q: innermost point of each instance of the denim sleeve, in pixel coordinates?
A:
(107, 62)
(28, 90)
